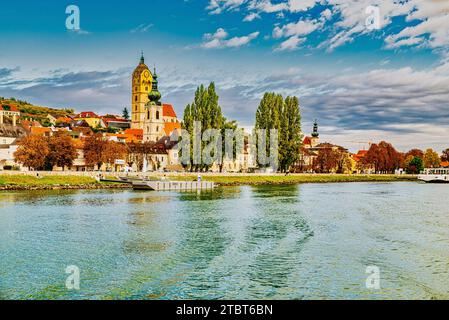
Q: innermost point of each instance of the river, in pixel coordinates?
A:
(307, 241)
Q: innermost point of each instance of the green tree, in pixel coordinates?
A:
(415, 165)
(205, 110)
(268, 117)
(283, 115)
(125, 113)
(290, 134)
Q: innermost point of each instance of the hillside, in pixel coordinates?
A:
(29, 110)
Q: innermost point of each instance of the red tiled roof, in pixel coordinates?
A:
(138, 133)
(307, 140)
(169, 127)
(445, 164)
(168, 111)
(87, 114)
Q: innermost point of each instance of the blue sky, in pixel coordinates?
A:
(362, 85)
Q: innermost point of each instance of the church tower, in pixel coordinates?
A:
(141, 87)
(315, 135)
(153, 129)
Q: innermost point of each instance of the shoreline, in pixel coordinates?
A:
(70, 182)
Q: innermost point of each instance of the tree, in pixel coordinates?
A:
(431, 159)
(229, 125)
(268, 117)
(206, 110)
(415, 153)
(414, 164)
(125, 113)
(383, 157)
(32, 152)
(62, 151)
(114, 151)
(94, 147)
(290, 134)
(445, 156)
(326, 161)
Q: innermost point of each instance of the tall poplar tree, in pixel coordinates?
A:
(206, 110)
(283, 115)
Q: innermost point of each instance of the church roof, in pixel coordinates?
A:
(307, 141)
(168, 111)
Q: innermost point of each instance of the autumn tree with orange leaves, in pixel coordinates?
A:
(32, 152)
(94, 147)
(383, 157)
(62, 150)
(114, 151)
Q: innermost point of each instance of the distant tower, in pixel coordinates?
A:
(141, 87)
(315, 135)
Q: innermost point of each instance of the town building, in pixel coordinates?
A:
(10, 134)
(9, 111)
(91, 118)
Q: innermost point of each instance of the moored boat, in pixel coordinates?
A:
(435, 175)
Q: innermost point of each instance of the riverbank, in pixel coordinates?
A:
(304, 178)
(62, 181)
(53, 182)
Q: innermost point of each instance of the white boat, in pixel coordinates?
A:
(435, 175)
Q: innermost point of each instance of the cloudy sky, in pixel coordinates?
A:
(362, 83)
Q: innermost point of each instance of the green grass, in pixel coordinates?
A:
(28, 180)
(298, 178)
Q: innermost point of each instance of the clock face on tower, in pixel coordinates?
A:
(146, 74)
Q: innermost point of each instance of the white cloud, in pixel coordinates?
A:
(251, 16)
(290, 44)
(142, 28)
(220, 40)
(428, 20)
(300, 28)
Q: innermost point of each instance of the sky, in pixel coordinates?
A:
(364, 76)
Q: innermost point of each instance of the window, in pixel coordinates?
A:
(135, 98)
(146, 88)
(157, 115)
(148, 114)
(157, 128)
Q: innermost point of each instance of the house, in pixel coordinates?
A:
(81, 132)
(10, 111)
(9, 136)
(115, 122)
(42, 131)
(91, 118)
(52, 118)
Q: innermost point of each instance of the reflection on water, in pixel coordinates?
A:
(281, 242)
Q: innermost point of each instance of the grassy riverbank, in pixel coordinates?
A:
(233, 180)
(27, 182)
(293, 179)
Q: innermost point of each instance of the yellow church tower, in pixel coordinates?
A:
(141, 87)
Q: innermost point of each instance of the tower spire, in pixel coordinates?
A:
(315, 133)
(142, 58)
